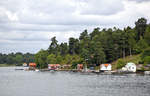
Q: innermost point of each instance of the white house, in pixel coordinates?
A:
(130, 67)
(105, 67)
(24, 65)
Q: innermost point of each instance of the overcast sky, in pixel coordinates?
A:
(28, 25)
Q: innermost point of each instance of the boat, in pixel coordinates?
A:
(37, 70)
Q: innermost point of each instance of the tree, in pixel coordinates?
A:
(41, 58)
(130, 33)
(51, 59)
(83, 35)
(146, 60)
(19, 59)
(63, 48)
(147, 35)
(141, 45)
(53, 48)
(73, 46)
(96, 51)
(94, 32)
(145, 53)
(140, 27)
(59, 59)
(68, 59)
(109, 44)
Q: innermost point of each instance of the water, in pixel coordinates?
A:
(30, 83)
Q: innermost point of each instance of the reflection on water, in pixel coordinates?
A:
(30, 83)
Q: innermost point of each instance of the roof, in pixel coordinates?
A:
(80, 64)
(130, 64)
(32, 64)
(53, 64)
(106, 65)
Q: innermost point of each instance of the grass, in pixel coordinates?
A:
(6, 65)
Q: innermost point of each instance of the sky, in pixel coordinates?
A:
(28, 25)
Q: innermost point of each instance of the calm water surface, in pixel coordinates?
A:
(29, 83)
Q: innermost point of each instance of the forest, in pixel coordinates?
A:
(97, 47)
(16, 58)
(91, 48)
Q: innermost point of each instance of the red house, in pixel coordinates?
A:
(32, 66)
(54, 66)
(80, 67)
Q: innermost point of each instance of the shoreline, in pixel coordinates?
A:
(7, 65)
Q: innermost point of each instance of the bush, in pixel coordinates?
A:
(146, 60)
(141, 62)
(121, 63)
(145, 53)
(142, 69)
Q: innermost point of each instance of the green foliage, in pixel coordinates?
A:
(59, 59)
(98, 55)
(53, 48)
(73, 46)
(16, 58)
(145, 53)
(63, 48)
(140, 27)
(147, 35)
(83, 35)
(19, 59)
(41, 58)
(51, 59)
(121, 63)
(142, 69)
(141, 45)
(146, 60)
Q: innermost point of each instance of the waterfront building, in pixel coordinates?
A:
(80, 67)
(105, 67)
(24, 65)
(130, 67)
(54, 66)
(32, 66)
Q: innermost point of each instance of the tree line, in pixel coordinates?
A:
(16, 58)
(93, 48)
(99, 46)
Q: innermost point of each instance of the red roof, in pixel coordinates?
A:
(106, 65)
(81, 65)
(52, 65)
(32, 64)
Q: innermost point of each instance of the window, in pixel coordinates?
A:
(132, 67)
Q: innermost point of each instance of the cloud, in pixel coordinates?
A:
(28, 25)
(139, 1)
(101, 7)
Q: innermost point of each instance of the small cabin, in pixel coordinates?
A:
(80, 67)
(54, 66)
(105, 67)
(131, 67)
(32, 66)
(24, 65)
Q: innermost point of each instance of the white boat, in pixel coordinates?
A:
(37, 70)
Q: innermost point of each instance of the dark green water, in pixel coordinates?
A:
(29, 83)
